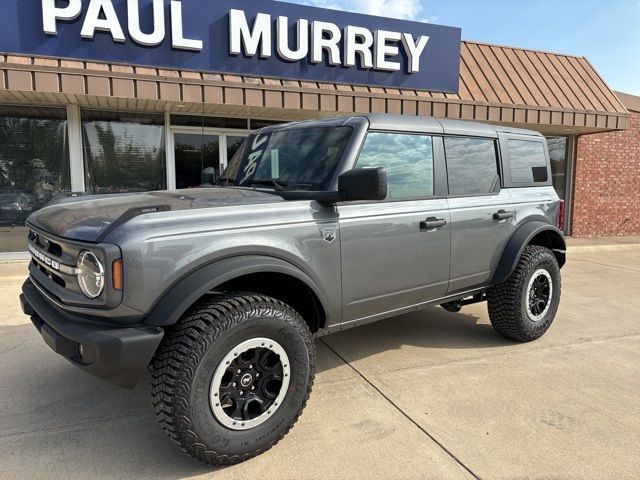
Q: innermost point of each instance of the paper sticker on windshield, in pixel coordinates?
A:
(329, 234)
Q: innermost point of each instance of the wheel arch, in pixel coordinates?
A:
(530, 233)
(284, 281)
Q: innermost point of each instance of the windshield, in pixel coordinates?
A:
(293, 159)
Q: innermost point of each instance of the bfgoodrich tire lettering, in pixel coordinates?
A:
(190, 354)
(509, 307)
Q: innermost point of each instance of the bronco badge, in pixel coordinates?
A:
(329, 234)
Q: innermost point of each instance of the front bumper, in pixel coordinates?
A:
(116, 354)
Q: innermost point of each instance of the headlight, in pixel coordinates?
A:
(90, 274)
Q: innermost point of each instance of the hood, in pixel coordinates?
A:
(92, 218)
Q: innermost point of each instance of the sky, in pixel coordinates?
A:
(607, 32)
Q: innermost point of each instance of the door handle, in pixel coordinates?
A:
(432, 222)
(503, 214)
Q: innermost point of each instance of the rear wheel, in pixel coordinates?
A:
(525, 305)
(232, 377)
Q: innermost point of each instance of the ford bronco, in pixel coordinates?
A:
(313, 227)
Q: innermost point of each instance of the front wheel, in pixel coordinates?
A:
(524, 306)
(232, 377)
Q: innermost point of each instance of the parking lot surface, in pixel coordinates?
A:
(429, 394)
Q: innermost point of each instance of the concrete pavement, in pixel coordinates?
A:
(430, 394)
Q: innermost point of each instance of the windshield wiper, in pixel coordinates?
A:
(270, 182)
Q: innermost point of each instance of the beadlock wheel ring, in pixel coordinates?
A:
(539, 295)
(250, 383)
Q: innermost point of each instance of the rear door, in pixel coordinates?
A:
(482, 214)
(395, 253)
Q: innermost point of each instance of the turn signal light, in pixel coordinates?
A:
(116, 268)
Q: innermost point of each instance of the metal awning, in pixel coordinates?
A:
(549, 92)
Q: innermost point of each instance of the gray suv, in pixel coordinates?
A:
(314, 227)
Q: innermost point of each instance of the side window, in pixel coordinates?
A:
(527, 161)
(407, 158)
(472, 165)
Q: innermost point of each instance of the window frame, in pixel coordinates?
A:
(440, 188)
(506, 161)
(499, 170)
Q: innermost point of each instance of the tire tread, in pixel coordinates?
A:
(183, 347)
(503, 299)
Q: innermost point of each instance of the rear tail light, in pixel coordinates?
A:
(561, 216)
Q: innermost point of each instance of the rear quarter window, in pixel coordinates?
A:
(527, 161)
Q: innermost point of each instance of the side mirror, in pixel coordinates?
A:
(209, 176)
(363, 184)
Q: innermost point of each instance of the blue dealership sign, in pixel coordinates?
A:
(249, 37)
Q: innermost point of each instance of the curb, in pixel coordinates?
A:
(602, 248)
(16, 260)
(14, 257)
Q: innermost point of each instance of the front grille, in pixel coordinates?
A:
(53, 276)
(53, 265)
(53, 269)
(45, 244)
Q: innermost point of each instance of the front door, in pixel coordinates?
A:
(395, 253)
(197, 151)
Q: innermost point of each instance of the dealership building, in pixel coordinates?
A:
(112, 96)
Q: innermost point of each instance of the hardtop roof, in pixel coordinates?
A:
(415, 124)
(440, 125)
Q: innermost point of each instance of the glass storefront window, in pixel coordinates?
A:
(258, 124)
(233, 144)
(123, 152)
(34, 167)
(209, 122)
(558, 154)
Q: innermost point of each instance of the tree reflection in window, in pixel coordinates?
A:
(123, 156)
(34, 164)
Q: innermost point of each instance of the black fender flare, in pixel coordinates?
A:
(185, 292)
(523, 237)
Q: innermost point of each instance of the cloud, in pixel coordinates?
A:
(403, 9)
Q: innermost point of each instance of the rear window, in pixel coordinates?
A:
(472, 165)
(527, 162)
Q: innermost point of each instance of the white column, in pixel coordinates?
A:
(170, 152)
(76, 157)
(223, 152)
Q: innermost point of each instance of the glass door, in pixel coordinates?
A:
(561, 152)
(196, 150)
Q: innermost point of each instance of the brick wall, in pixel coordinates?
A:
(607, 183)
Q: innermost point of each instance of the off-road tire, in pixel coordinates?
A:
(184, 364)
(507, 301)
